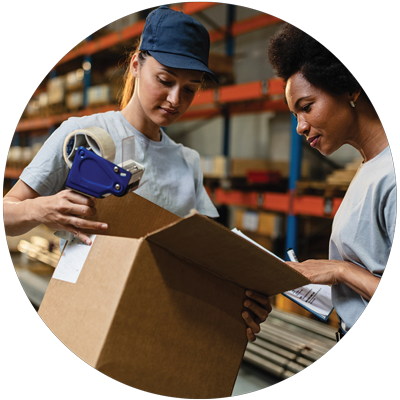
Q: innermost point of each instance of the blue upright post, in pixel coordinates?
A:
(230, 49)
(87, 67)
(294, 175)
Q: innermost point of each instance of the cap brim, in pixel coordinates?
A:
(182, 62)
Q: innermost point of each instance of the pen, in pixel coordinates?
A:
(292, 255)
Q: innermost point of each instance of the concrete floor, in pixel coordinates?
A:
(251, 379)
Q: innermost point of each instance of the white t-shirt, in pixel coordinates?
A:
(172, 179)
(363, 229)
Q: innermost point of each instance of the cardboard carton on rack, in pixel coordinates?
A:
(158, 302)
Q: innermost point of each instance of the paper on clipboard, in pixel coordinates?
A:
(314, 298)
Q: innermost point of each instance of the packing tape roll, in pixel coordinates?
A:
(95, 139)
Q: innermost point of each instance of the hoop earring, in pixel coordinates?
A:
(352, 103)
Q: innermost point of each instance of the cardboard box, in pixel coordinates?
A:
(74, 79)
(56, 90)
(74, 100)
(263, 223)
(240, 167)
(158, 302)
(214, 167)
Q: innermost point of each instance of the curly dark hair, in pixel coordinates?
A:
(291, 50)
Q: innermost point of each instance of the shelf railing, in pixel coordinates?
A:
(317, 206)
(134, 30)
(244, 98)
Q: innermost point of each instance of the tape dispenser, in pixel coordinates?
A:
(90, 154)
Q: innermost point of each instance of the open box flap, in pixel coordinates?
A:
(215, 248)
(130, 216)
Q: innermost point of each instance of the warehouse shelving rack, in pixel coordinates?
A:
(220, 101)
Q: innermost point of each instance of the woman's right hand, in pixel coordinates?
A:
(66, 211)
(24, 209)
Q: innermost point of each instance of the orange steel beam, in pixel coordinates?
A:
(12, 173)
(136, 29)
(236, 197)
(245, 26)
(236, 93)
(276, 86)
(194, 7)
(253, 23)
(45, 122)
(205, 97)
(276, 202)
(234, 109)
(309, 205)
(127, 33)
(244, 91)
(249, 97)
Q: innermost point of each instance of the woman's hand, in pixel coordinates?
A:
(24, 208)
(324, 272)
(333, 272)
(66, 211)
(259, 308)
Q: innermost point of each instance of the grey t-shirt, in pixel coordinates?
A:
(363, 229)
(172, 179)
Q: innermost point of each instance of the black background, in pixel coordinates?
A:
(364, 36)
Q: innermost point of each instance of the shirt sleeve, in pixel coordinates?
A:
(204, 204)
(390, 213)
(48, 172)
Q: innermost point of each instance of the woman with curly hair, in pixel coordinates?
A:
(331, 110)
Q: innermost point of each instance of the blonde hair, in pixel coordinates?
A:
(128, 86)
(128, 79)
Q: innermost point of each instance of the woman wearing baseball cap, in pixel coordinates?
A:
(163, 76)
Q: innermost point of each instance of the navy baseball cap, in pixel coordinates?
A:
(176, 40)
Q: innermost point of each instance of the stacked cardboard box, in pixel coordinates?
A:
(214, 167)
(240, 167)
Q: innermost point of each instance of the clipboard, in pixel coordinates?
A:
(316, 299)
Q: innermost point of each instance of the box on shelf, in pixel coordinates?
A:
(344, 176)
(43, 99)
(19, 156)
(157, 304)
(213, 167)
(74, 100)
(74, 79)
(56, 90)
(101, 94)
(222, 65)
(263, 223)
(240, 167)
(98, 94)
(32, 108)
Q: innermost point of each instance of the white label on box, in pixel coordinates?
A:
(71, 261)
(250, 221)
(207, 164)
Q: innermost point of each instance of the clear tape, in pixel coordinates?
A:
(95, 139)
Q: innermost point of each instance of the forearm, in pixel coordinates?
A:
(19, 216)
(359, 279)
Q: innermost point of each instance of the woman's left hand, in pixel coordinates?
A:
(259, 308)
(324, 272)
(333, 272)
